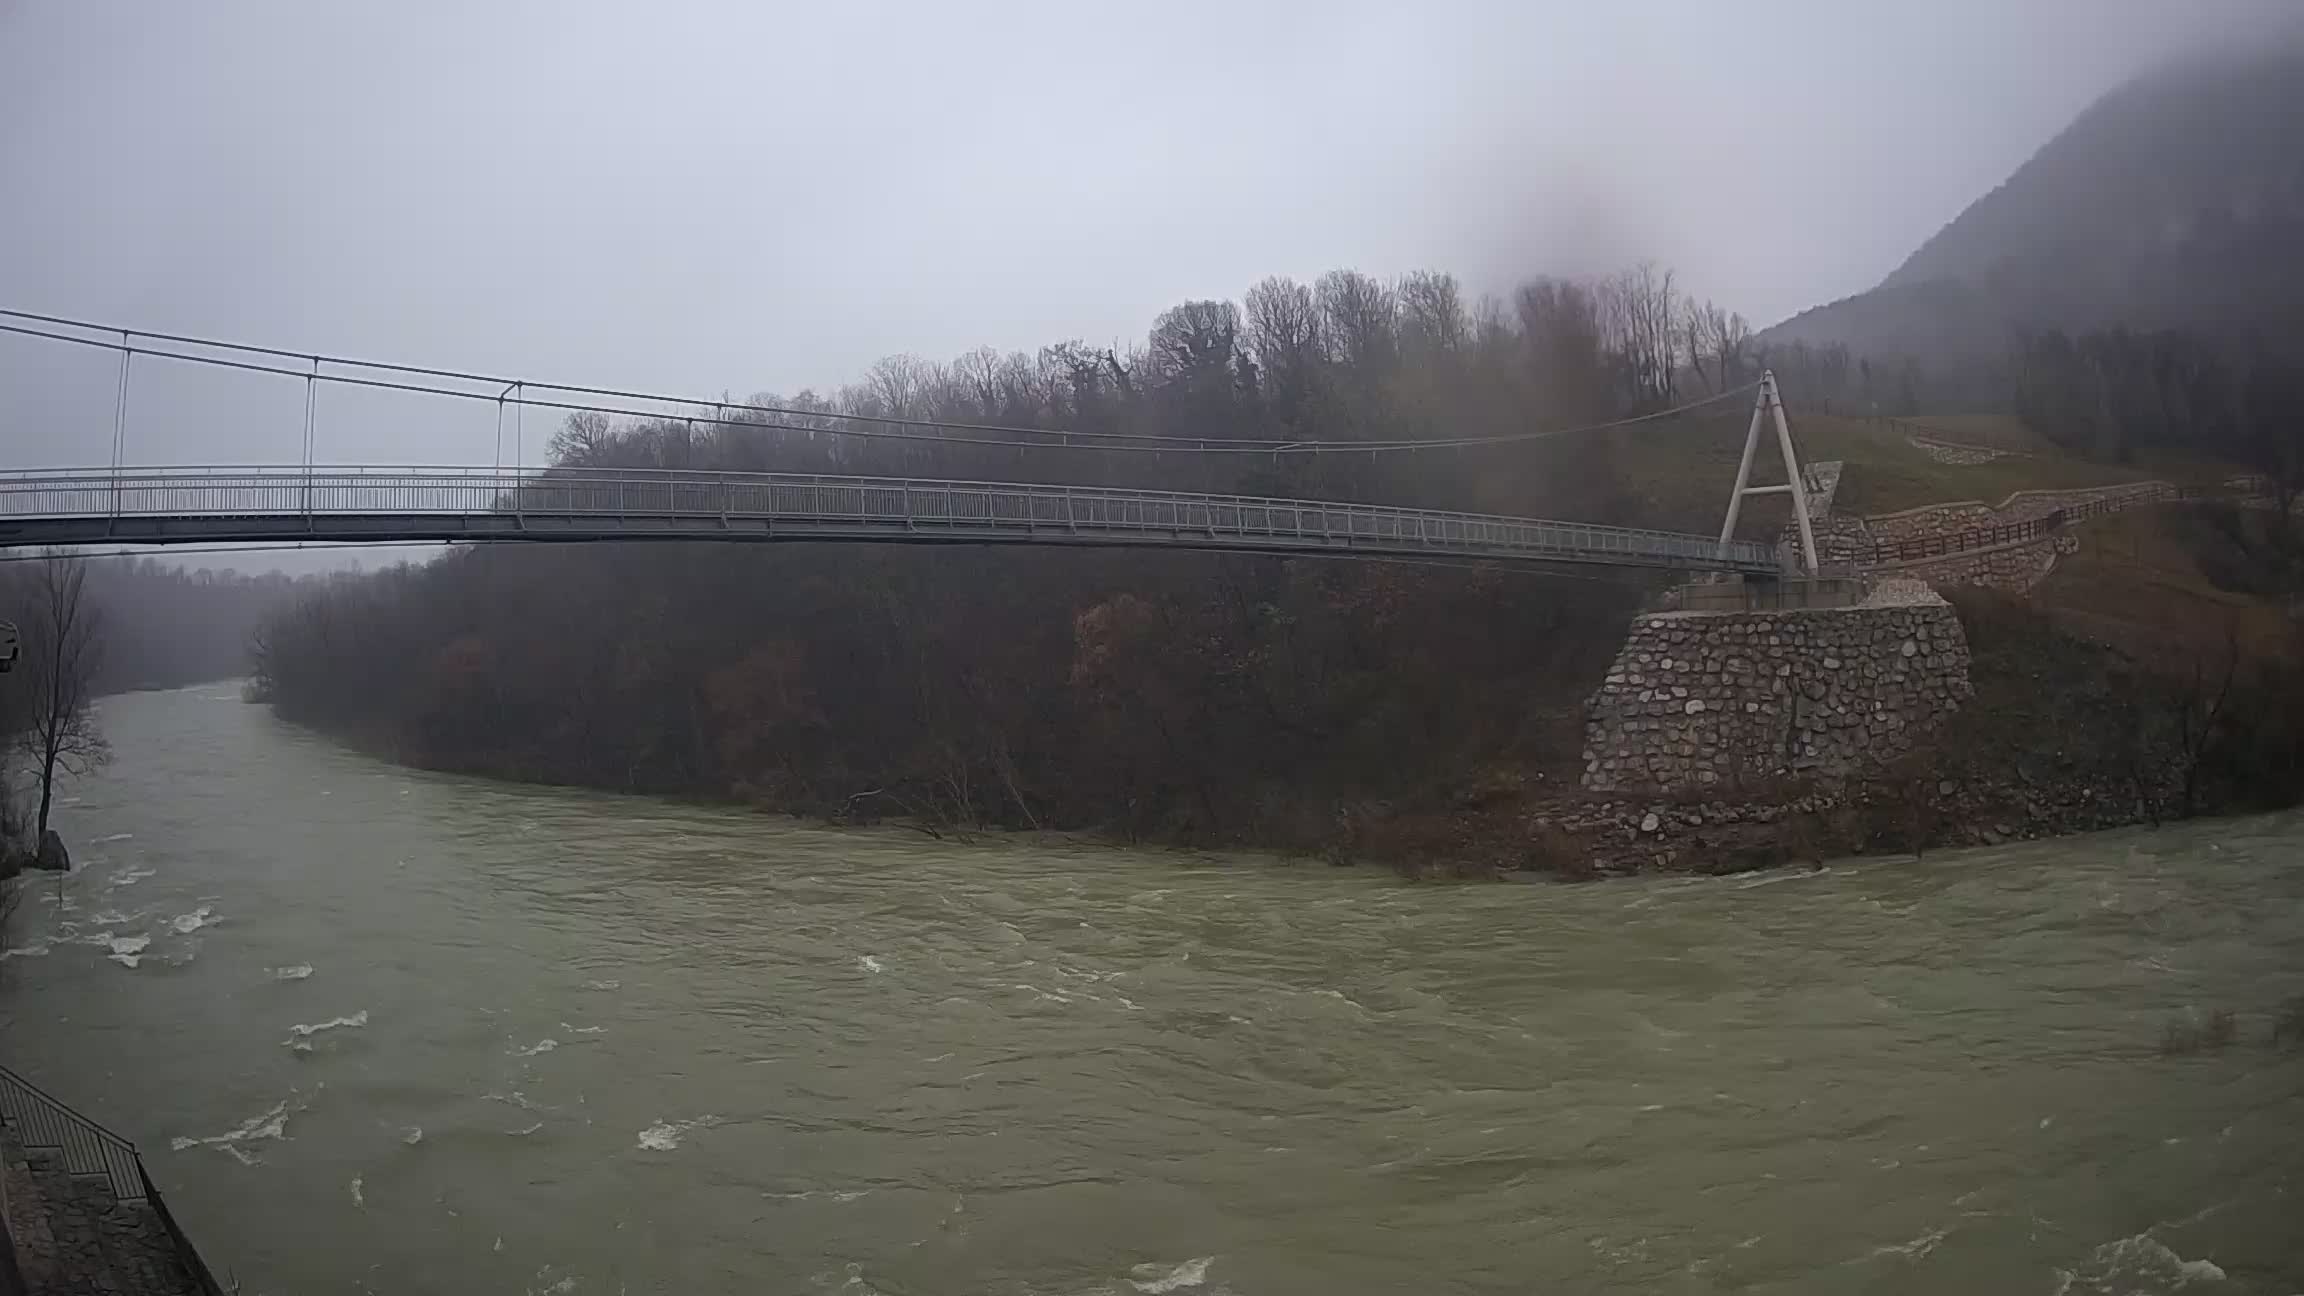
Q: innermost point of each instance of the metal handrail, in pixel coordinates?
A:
(939, 505)
(41, 1122)
(1915, 548)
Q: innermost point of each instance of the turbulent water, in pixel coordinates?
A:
(394, 1032)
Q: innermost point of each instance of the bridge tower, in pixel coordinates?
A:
(1766, 405)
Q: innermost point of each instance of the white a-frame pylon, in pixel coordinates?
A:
(1769, 403)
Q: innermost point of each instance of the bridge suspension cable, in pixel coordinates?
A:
(748, 415)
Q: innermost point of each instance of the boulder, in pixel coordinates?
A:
(52, 855)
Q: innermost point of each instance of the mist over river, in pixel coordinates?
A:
(388, 1031)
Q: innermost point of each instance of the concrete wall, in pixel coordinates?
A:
(1700, 699)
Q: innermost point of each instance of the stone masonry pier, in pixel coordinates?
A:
(1700, 699)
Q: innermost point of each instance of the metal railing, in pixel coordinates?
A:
(1917, 548)
(383, 502)
(41, 1123)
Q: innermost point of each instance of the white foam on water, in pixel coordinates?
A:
(127, 951)
(357, 1199)
(36, 950)
(1044, 996)
(663, 1136)
(128, 877)
(412, 1135)
(187, 923)
(2138, 1263)
(871, 964)
(1155, 1278)
(301, 1034)
(1775, 876)
(516, 1099)
(523, 1133)
(603, 985)
(583, 1030)
(114, 918)
(294, 972)
(116, 837)
(1915, 1249)
(271, 1124)
(540, 1046)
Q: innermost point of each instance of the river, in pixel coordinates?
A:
(381, 1030)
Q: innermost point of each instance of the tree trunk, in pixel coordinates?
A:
(47, 793)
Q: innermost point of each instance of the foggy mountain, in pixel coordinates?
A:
(2176, 200)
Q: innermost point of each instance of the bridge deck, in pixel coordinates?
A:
(184, 505)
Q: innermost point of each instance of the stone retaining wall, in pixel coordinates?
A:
(2014, 567)
(1966, 515)
(1954, 453)
(1696, 700)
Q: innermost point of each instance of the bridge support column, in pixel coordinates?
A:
(1722, 699)
(1764, 405)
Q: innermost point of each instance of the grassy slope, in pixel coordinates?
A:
(1681, 469)
(1999, 431)
(2138, 584)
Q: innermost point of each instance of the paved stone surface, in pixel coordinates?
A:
(74, 1239)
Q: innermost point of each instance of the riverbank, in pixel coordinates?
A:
(2063, 735)
(1429, 721)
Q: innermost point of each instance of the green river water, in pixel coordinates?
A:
(386, 1031)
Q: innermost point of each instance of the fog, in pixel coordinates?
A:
(734, 198)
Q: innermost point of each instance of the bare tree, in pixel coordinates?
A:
(1359, 320)
(1432, 317)
(1283, 327)
(1639, 313)
(2200, 717)
(1560, 320)
(977, 375)
(1696, 337)
(1730, 341)
(897, 386)
(586, 439)
(1716, 340)
(63, 644)
(1196, 339)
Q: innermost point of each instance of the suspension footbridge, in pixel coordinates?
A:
(310, 502)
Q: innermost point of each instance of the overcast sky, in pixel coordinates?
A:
(741, 196)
